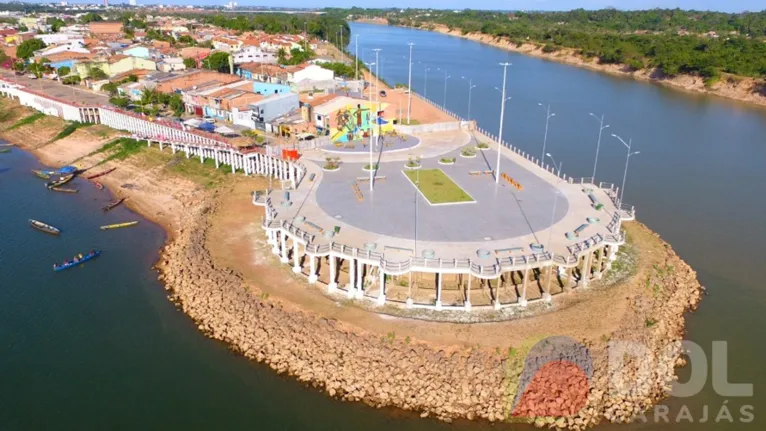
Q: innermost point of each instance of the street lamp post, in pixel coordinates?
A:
(502, 115)
(628, 145)
(356, 55)
(369, 65)
(446, 77)
(598, 144)
(425, 83)
(409, 87)
(377, 93)
(548, 116)
(470, 90)
(553, 213)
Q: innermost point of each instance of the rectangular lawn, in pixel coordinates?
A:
(437, 187)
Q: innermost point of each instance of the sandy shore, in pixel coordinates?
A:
(218, 268)
(743, 89)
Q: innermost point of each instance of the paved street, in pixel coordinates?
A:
(69, 93)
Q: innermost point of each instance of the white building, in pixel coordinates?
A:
(253, 54)
(132, 2)
(171, 64)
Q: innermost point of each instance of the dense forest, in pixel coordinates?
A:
(674, 41)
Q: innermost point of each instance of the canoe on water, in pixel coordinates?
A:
(60, 181)
(5, 150)
(100, 174)
(113, 204)
(119, 225)
(46, 175)
(64, 190)
(44, 227)
(77, 260)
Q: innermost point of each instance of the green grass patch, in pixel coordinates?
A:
(121, 149)
(203, 174)
(69, 129)
(437, 187)
(27, 120)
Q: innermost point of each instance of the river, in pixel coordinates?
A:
(100, 346)
(697, 181)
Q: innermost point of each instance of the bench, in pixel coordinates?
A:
(509, 250)
(314, 226)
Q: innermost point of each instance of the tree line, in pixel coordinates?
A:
(672, 40)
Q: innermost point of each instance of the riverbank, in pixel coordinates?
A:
(743, 89)
(219, 270)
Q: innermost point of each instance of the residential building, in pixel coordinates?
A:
(226, 44)
(115, 65)
(137, 51)
(308, 72)
(171, 64)
(105, 28)
(268, 88)
(190, 80)
(253, 54)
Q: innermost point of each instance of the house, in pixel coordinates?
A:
(115, 65)
(105, 28)
(253, 54)
(263, 72)
(189, 80)
(137, 51)
(325, 113)
(67, 59)
(308, 72)
(171, 64)
(59, 38)
(268, 88)
(198, 54)
(226, 44)
(75, 46)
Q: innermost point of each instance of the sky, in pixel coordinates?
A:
(717, 5)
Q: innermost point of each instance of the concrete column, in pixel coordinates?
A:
(313, 271)
(173, 147)
(201, 159)
(586, 269)
(333, 274)
(600, 263)
(186, 149)
(217, 158)
(468, 294)
(439, 291)
(284, 258)
(382, 285)
(547, 292)
(296, 257)
(351, 278)
(360, 280)
(523, 299)
(233, 168)
(497, 293)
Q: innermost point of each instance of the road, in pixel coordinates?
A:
(70, 93)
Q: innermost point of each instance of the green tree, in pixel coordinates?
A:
(90, 17)
(71, 80)
(190, 63)
(120, 102)
(27, 48)
(97, 74)
(63, 71)
(281, 56)
(55, 24)
(22, 28)
(186, 39)
(217, 61)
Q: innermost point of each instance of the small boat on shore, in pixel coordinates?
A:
(44, 227)
(60, 181)
(64, 190)
(101, 174)
(77, 260)
(98, 185)
(5, 150)
(6, 145)
(113, 204)
(119, 225)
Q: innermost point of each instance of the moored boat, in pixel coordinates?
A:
(64, 190)
(98, 185)
(44, 227)
(101, 174)
(113, 204)
(77, 260)
(60, 181)
(46, 175)
(119, 225)
(5, 150)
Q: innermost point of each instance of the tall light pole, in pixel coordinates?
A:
(446, 77)
(548, 115)
(553, 213)
(377, 97)
(341, 39)
(502, 115)
(369, 65)
(627, 159)
(598, 144)
(470, 90)
(356, 59)
(409, 87)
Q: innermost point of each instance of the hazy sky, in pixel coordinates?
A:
(718, 5)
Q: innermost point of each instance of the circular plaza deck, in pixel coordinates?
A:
(387, 144)
(361, 242)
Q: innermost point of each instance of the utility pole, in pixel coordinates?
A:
(409, 87)
(598, 144)
(502, 115)
(548, 116)
(356, 57)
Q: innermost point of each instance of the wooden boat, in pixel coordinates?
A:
(119, 225)
(41, 174)
(44, 227)
(60, 181)
(6, 145)
(77, 260)
(5, 150)
(100, 174)
(64, 190)
(113, 204)
(98, 185)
